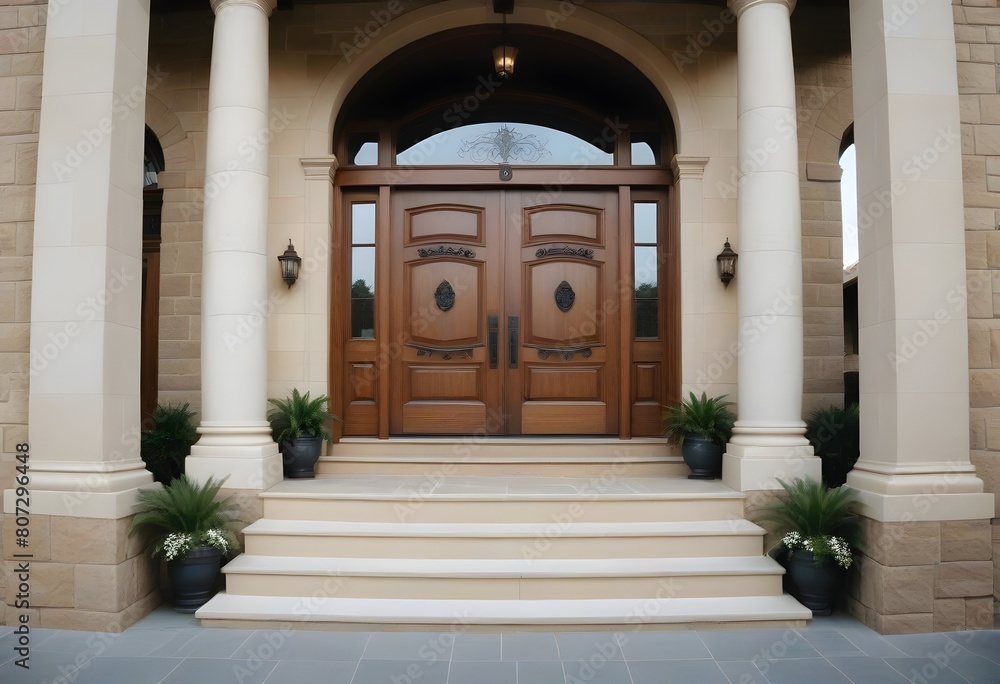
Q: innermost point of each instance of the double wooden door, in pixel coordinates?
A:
(505, 310)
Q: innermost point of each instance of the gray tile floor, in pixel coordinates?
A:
(169, 648)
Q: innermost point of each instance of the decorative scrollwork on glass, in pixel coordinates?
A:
(565, 296)
(564, 251)
(444, 295)
(446, 250)
(503, 146)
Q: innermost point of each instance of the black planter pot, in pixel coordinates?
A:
(815, 586)
(300, 458)
(703, 457)
(193, 578)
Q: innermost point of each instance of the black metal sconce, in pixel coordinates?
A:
(727, 263)
(290, 262)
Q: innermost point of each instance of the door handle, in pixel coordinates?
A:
(494, 324)
(512, 338)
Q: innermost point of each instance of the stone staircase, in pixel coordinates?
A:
(411, 534)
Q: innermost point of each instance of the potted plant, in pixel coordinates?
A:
(703, 426)
(165, 446)
(300, 425)
(187, 526)
(819, 534)
(835, 434)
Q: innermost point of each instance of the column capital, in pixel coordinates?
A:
(740, 6)
(320, 168)
(685, 166)
(265, 6)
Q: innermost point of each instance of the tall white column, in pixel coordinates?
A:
(768, 441)
(235, 436)
(87, 263)
(912, 304)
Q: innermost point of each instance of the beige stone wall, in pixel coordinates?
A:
(822, 51)
(925, 577)
(22, 37)
(977, 38)
(176, 110)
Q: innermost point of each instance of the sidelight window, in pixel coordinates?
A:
(362, 218)
(645, 223)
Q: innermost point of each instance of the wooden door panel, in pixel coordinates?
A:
(447, 301)
(567, 304)
(464, 223)
(580, 285)
(446, 280)
(434, 383)
(564, 222)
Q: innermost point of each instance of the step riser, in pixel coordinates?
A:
(459, 450)
(551, 546)
(330, 467)
(420, 510)
(451, 588)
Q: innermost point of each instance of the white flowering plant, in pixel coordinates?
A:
(183, 516)
(811, 517)
(177, 545)
(822, 546)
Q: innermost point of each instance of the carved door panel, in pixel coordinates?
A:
(446, 285)
(562, 293)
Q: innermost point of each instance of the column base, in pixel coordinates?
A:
(244, 454)
(84, 490)
(910, 496)
(756, 468)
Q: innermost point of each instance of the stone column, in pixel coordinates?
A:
(235, 437)
(83, 437)
(927, 556)
(768, 441)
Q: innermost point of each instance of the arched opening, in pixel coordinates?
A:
(486, 227)
(152, 208)
(849, 234)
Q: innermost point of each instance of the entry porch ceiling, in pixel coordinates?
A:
(163, 6)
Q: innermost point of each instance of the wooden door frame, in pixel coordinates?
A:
(381, 181)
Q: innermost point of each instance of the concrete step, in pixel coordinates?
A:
(538, 456)
(335, 612)
(388, 499)
(508, 579)
(316, 538)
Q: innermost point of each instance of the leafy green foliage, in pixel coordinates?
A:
(164, 447)
(185, 506)
(361, 290)
(708, 417)
(812, 510)
(298, 414)
(835, 434)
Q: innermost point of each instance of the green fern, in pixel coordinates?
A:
(709, 418)
(164, 447)
(298, 414)
(812, 510)
(183, 507)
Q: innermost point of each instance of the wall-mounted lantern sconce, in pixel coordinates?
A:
(290, 262)
(727, 263)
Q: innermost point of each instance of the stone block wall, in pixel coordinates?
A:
(22, 38)
(925, 577)
(822, 53)
(977, 43)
